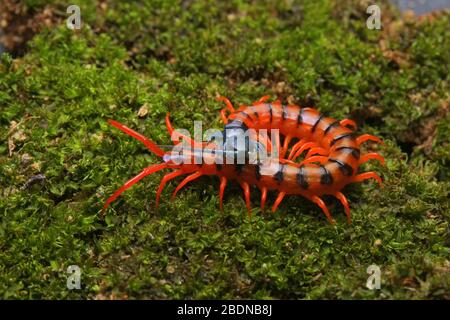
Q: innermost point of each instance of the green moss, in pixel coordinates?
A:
(176, 57)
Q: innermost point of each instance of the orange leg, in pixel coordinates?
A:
(368, 156)
(246, 187)
(227, 103)
(278, 201)
(303, 148)
(317, 150)
(169, 124)
(185, 181)
(295, 148)
(164, 180)
(366, 137)
(261, 100)
(223, 116)
(149, 170)
(292, 163)
(223, 184)
(324, 208)
(263, 197)
(340, 196)
(367, 175)
(320, 159)
(287, 140)
(348, 122)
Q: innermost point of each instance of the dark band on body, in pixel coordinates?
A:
(301, 178)
(326, 177)
(330, 126)
(300, 117)
(257, 172)
(354, 151)
(279, 175)
(255, 112)
(349, 135)
(346, 169)
(317, 123)
(270, 112)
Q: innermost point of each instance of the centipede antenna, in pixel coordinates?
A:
(146, 141)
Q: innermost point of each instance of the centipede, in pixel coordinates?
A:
(332, 161)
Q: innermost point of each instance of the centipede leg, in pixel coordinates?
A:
(223, 116)
(290, 162)
(347, 123)
(286, 142)
(324, 208)
(246, 187)
(164, 180)
(190, 178)
(295, 148)
(169, 124)
(317, 150)
(367, 175)
(227, 103)
(306, 146)
(223, 184)
(367, 137)
(366, 157)
(147, 171)
(340, 196)
(263, 197)
(261, 100)
(278, 200)
(171, 131)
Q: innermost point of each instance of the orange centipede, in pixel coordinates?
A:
(332, 160)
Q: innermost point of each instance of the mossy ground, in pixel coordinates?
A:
(177, 56)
